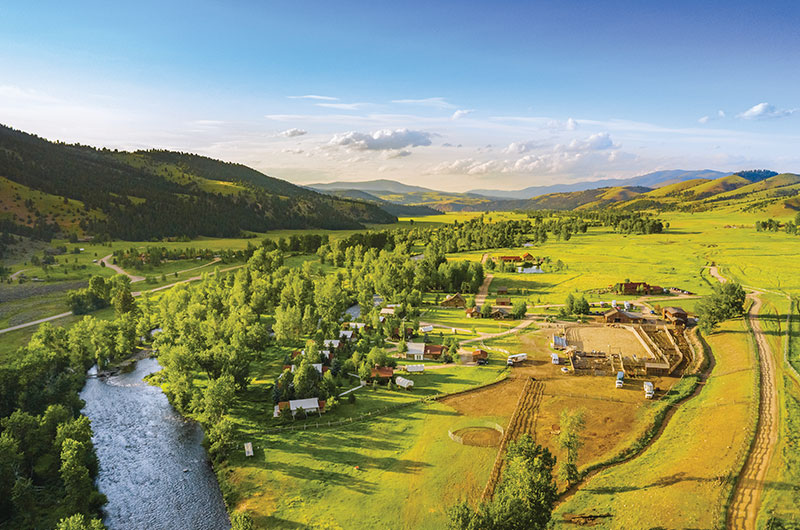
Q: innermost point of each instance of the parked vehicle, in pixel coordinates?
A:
(620, 379)
(518, 358)
(482, 362)
(649, 390)
(554, 358)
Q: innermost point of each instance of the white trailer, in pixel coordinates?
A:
(555, 359)
(649, 390)
(517, 358)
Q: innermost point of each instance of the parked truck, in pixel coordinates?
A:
(648, 390)
(620, 379)
(517, 358)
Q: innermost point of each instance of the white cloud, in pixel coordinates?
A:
(517, 148)
(571, 124)
(341, 106)
(291, 133)
(382, 140)
(314, 96)
(578, 154)
(293, 151)
(440, 103)
(402, 153)
(765, 111)
(461, 113)
(718, 116)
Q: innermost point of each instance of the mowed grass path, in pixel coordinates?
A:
(398, 470)
(684, 477)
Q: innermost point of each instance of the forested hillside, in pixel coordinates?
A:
(155, 194)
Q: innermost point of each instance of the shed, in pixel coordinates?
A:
(415, 368)
(501, 314)
(402, 382)
(426, 329)
(479, 354)
(503, 300)
(502, 290)
(473, 312)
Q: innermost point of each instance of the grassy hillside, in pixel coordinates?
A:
(716, 186)
(156, 194)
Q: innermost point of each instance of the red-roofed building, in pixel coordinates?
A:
(382, 372)
(510, 259)
(433, 351)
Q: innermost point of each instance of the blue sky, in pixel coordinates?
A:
(454, 95)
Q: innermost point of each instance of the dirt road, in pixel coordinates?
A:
(747, 497)
(119, 270)
(35, 322)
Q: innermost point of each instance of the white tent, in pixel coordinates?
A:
(415, 368)
(402, 382)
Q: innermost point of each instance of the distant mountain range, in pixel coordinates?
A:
(660, 190)
(651, 180)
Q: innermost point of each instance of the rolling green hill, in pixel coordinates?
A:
(154, 194)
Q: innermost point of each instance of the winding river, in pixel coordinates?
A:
(153, 467)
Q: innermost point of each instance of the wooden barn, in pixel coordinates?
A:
(617, 316)
(675, 315)
(503, 300)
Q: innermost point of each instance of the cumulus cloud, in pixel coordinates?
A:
(517, 148)
(595, 149)
(765, 111)
(439, 102)
(291, 133)
(314, 96)
(293, 151)
(557, 125)
(461, 113)
(382, 140)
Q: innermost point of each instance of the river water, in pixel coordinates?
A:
(153, 467)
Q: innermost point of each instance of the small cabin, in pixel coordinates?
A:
(455, 300)
(416, 351)
(503, 300)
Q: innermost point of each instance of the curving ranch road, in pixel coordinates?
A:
(747, 496)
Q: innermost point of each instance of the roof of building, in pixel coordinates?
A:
(333, 343)
(305, 404)
(415, 368)
(416, 348)
(453, 297)
(403, 382)
(434, 349)
(387, 311)
(382, 371)
(503, 299)
(346, 334)
(675, 310)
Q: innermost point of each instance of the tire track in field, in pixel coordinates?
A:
(523, 421)
(743, 511)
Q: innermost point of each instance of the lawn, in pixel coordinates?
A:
(397, 469)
